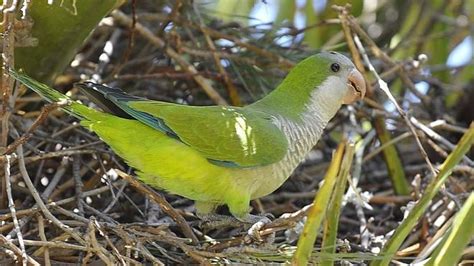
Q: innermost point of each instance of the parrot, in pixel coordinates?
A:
(219, 155)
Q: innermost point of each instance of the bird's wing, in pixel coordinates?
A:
(227, 136)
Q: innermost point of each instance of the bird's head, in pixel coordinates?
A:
(330, 73)
(343, 71)
(323, 81)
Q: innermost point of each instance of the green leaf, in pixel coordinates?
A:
(320, 203)
(450, 250)
(60, 28)
(334, 210)
(286, 11)
(392, 159)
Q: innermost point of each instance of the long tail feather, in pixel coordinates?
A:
(51, 95)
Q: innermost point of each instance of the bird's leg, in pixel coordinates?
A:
(211, 220)
(214, 221)
(256, 223)
(241, 217)
(204, 207)
(240, 210)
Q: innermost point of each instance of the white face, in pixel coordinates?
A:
(328, 98)
(334, 90)
(343, 87)
(342, 68)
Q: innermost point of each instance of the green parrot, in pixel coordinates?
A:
(218, 155)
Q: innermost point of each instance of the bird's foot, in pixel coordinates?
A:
(216, 221)
(258, 222)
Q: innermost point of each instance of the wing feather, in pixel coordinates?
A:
(225, 135)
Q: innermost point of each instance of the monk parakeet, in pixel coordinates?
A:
(219, 155)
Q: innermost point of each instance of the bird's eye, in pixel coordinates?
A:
(335, 67)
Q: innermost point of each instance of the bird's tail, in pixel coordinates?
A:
(51, 95)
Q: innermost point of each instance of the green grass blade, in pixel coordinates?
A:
(394, 164)
(332, 219)
(463, 146)
(318, 211)
(450, 250)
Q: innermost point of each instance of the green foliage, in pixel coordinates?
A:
(392, 159)
(337, 170)
(331, 221)
(464, 145)
(462, 232)
(60, 29)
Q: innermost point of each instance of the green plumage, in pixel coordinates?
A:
(216, 154)
(228, 134)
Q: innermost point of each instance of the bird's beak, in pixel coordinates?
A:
(356, 87)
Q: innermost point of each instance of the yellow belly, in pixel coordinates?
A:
(169, 164)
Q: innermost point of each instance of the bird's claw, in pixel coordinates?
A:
(215, 221)
(254, 231)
